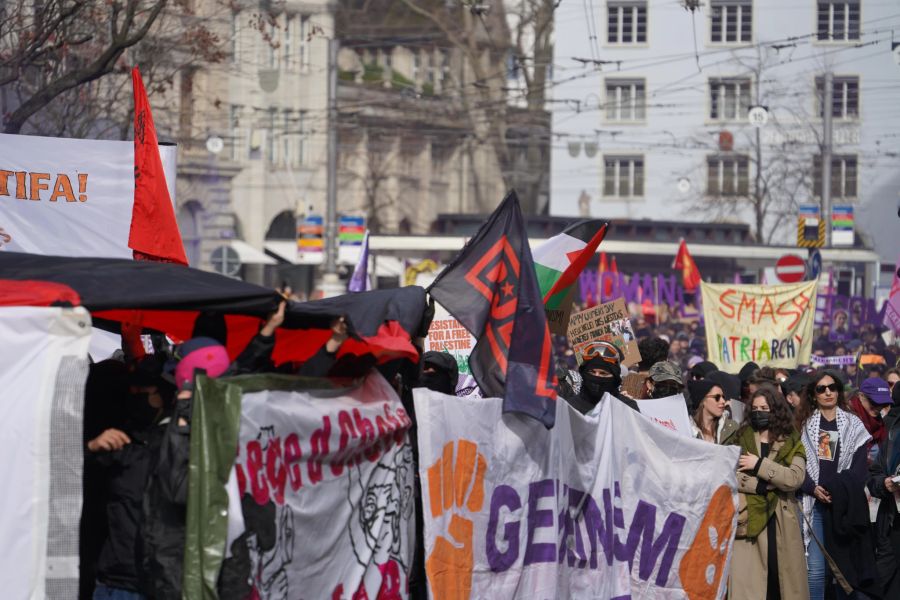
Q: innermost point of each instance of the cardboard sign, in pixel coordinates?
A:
(607, 322)
(558, 318)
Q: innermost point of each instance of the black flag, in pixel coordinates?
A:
(491, 288)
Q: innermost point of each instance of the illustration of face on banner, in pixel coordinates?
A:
(69, 197)
(767, 324)
(513, 510)
(339, 467)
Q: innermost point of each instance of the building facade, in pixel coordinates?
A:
(652, 102)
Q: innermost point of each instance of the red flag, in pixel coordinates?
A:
(154, 232)
(604, 286)
(690, 274)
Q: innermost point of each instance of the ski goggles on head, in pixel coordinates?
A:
(605, 351)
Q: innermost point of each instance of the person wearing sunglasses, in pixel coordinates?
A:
(601, 373)
(836, 470)
(710, 423)
(768, 558)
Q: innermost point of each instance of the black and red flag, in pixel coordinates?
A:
(492, 289)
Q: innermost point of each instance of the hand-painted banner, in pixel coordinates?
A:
(69, 197)
(608, 322)
(321, 496)
(44, 358)
(767, 324)
(601, 506)
(892, 306)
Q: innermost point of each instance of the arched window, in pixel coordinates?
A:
(283, 227)
(189, 223)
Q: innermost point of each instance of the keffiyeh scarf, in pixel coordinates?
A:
(851, 435)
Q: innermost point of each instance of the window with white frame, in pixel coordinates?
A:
(300, 127)
(728, 175)
(270, 135)
(625, 100)
(730, 21)
(445, 68)
(289, 59)
(235, 36)
(844, 176)
(844, 97)
(417, 64)
(303, 43)
(623, 176)
(729, 98)
(287, 139)
(838, 20)
(626, 22)
(237, 134)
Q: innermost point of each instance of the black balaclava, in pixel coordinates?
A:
(593, 386)
(445, 375)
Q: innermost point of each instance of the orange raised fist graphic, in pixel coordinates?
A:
(457, 486)
(703, 564)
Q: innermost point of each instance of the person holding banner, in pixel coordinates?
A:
(768, 550)
(835, 441)
(710, 423)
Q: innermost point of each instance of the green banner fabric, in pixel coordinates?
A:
(215, 427)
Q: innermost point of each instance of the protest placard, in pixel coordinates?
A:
(69, 197)
(608, 322)
(768, 324)
(446, 334)
(670, 412)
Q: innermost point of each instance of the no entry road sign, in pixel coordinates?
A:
(790, 268)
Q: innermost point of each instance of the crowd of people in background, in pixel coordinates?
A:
(818, 450)
(819, 470)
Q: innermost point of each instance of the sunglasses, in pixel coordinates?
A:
(716, 397)
(602, 350)
(820, 389)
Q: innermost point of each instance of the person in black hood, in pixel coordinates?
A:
(601, 373)
(881, 485)
(440, 372)
(123, 452)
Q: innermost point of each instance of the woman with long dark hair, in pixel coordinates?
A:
(768, 554)
(709, 422)
(836, 470)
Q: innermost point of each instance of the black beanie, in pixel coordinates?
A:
(730, 384)
(702, 369)
(747, 371)
(698, 389)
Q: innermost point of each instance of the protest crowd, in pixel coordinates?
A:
(481, 438)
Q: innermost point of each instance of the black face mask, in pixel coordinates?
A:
(664, 390)
(595, 387)
(437, 381)
(759, 420)
(141, 414)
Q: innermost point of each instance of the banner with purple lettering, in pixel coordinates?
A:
(606, 505)
(771, 325)
(321, 495)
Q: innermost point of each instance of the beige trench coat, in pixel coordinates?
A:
(748, 561)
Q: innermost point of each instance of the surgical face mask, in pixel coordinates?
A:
(759, 419)
(597, 386)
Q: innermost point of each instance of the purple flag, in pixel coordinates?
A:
(359, 281)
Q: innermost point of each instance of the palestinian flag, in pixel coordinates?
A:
(561, 259)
